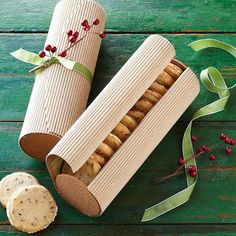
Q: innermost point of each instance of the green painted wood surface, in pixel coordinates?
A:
(131, 230)
(212, 208)
(16, 84)
(130, 15)
(140, 192)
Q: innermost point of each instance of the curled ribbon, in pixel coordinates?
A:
(41, 63)
(214, 82)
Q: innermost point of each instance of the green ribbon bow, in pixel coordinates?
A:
(43, 63)
(214, 82)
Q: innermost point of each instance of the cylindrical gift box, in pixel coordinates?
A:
(60, 95)
(122, 126)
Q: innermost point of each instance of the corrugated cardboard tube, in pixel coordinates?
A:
(123, 125)
(60, 95)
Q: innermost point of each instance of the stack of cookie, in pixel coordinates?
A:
(30, 206)
(127, 125)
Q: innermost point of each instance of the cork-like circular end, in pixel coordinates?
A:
(76, 193)
(38, 145)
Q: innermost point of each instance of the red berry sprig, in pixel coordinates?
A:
(203, 148)
(62, 54)
(96, 21)
(212, 157)
(42, 54)
(54, 49)
(69, 33)
(194, 138)
(192, 170)
(48, 48)
(229, 141)
(181, 161)
(73, 39)
(84, 23)
(73, 36)
(223, 136)
(102, 35)
(228, 150)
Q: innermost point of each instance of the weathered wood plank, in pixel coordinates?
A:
(213, 200)
(129, 16)
(130, 230)
(16, 84)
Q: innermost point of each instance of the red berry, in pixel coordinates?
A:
(194, 138)
(69, 33)
(85, 23)
(87, 28)
(223, 136)
(96, 21)
(227, 140)
(228, 150)
(193, 173)
(48, 48)
(212, 157)
(54, 49)
(75, 34)
(72, 39)
(204, 148)
(63, 54)
(102, 35)
(181, 161)
(232, 141)
(192, 168)
(199, 149)
(42, 54)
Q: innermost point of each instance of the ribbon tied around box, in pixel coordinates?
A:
(43, 63)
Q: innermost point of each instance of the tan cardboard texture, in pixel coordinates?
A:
(142, 77)
(60, 95)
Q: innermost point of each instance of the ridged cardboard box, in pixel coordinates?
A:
(60, 95)
(126, 92)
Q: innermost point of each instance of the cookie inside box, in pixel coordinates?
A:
(153, 100)
(127, 125)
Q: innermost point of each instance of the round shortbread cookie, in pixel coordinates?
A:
(158, 88)
(85, 173)
(152, 96)
(100, 159)
(95, 166)
(165, 79)
(105, 150)
(113, 141)
(174, 71)
(144, 105)
(129, 122)
(31, 209)
(12, 182)
(121, 131)
(137, 115)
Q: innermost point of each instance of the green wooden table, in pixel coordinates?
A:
(212, 208)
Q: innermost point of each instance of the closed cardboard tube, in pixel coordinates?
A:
(60, 95)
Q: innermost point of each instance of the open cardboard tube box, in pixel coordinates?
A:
(60, 95)
(102, 116)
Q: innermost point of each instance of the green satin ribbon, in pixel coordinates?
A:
(34, 59)
(214, 82)
(212, 43)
